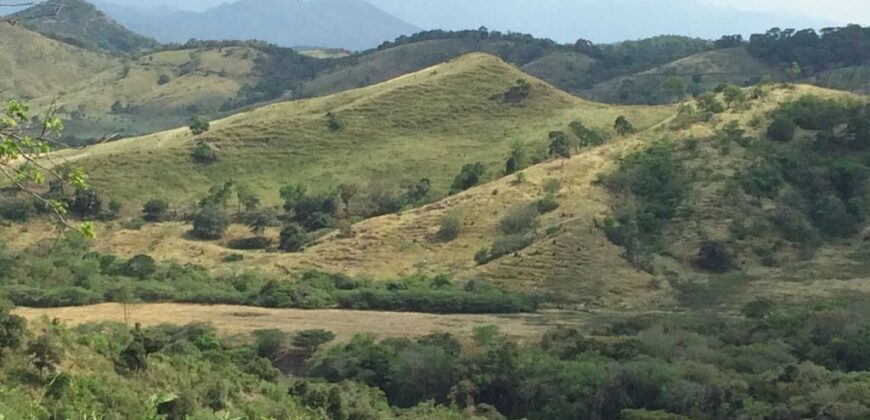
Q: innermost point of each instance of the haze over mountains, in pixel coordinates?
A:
(359, 24)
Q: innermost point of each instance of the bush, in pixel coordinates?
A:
(547, 204)
(762, 180)
(257, 242)
(163, 79)
(782, 129)
(293, 238)
(210, 223)
(707, 102)
(519, 219)
(470, 175)
(203, 153)
(311, 340)
(17, 210)
(140, 267)
(155, 211)
(451, 226)
(198, 125)
(832, 217)
(714, 256)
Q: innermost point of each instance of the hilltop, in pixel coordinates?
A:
(80, 23)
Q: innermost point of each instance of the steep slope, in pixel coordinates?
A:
(416, 126)
(32, 65)
(350, 24)
(79, 23)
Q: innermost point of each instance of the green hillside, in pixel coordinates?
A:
(457, 119)
(80, 23)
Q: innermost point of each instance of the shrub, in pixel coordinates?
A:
(519, 219)
(707, 102)
(140, 267)
(293, 238)
(451, 226)
(163, 79)
(210, 223)
(17, 210)
(155, 210)
(832, 217)
(714, 256)
(270, 343)
(762, 180)
(547, 204)
(552, 186)
(795, 227)
(623, 127)
(198, 125)
(249, 243)
(203, 153)
(781, 129)
(133, 224)
(311, 340)
(470, 175)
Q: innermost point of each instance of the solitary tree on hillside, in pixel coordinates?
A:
(559, 145)
(733, 95)
(198, 125)
(622, 126)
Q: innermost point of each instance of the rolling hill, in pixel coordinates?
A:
(80, 23)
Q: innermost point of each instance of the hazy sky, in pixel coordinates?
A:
(843, 11)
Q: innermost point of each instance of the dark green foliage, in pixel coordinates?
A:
(451, 227)
(623, 127)
(547, 204)
(518, 92)
(762, 180)
(45, 352)
(708, 102)
(293, 238)
(311, 340)
(155, 210)
(832, 216)
(714, 256)
(332, 122)
(12, 329)
(248, 244)
(17, 209)
(782, 129)
(504, 245)
(198, 125)
(559, 146)
(140, 267)
(86, 204)
(470, 175)
(210, 223)
(203, 153)
(163, 79)
(834, 47)
(588, 137)
(519, 219)
(813, 113)
(270, 343)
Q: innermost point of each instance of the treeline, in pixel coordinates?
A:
(69, 274)
(813, 51)
(107, 370)
(776, 361)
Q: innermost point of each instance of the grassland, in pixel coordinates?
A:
(238, 320)
(426, 124)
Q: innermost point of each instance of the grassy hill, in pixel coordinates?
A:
(80, 23)
(699, 72)
(35, 66)
(455, 120)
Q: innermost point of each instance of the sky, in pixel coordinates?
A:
(842, 11)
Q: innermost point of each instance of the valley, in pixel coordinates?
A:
(369, 221)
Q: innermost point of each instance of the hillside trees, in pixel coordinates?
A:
(22, 147)
(470, 175)
(623, 127)
(198, 125)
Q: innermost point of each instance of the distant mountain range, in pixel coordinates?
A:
(350, 24)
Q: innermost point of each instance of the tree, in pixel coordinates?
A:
(12, 328)
(45, 352)
(714, 256)
(270, 343)
(311, 340)
(293, 238)
(258, 221)
(332, 122)
(203, 153)
(292, 194)
(559, 145)
(708, 102)
(155, 210)
(140, 267)
(794, 72)
(587, 137)
(782, 129)
(470, 175)
(163, 79)
(22, 147)
(133, 357)
(733, 95)
(347, 192)
(623, 127)
(518, 92)
(247, 200)
(517, 158)
(210, 223)
(675, 87)
(198, 125)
